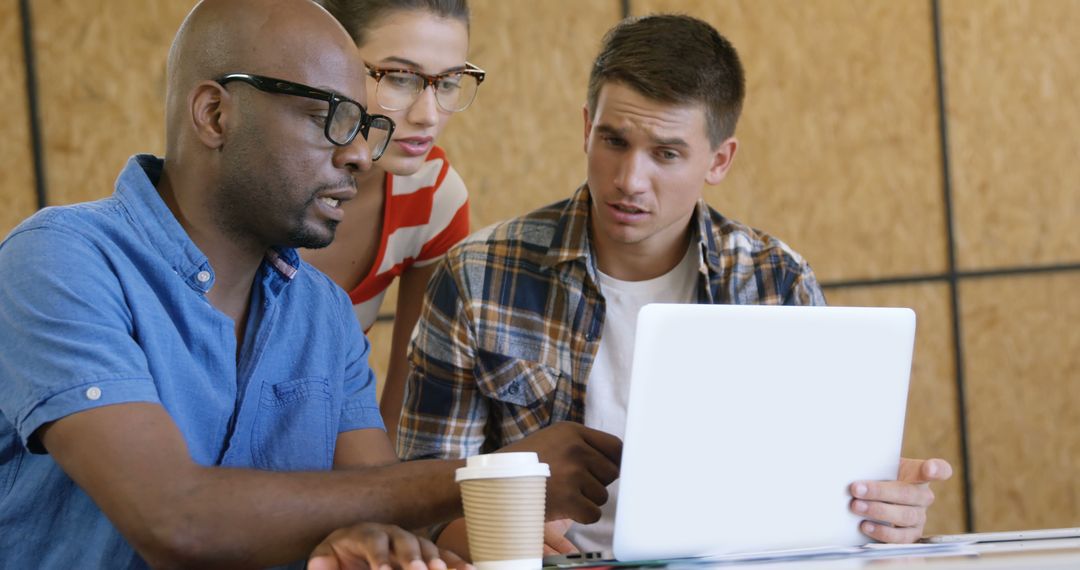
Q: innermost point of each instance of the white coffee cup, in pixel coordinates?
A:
(504, 497)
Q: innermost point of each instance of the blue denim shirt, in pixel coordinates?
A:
(105, 303)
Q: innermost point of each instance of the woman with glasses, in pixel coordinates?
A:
(412, 205)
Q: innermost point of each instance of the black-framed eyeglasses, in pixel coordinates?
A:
(344, 120)
(397, 89)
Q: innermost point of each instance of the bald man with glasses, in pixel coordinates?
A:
(178, 388)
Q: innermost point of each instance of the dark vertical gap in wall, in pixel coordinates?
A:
(626, 11)
(32, 103)
(953, 278)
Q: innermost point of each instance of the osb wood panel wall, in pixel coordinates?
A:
(841, 157)
(838, 126)
(1012, 76)
(102, 84)
(1020, 340)
(17, 198)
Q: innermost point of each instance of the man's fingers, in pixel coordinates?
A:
(380, 547)
(360, 546)
(454, 561)
(602, 469)
(555, 537)
(895, 515)
(557, 527)
(607, 444)
(322, 557)
(895, 492)
(322, 561)
(578, 508)
(570, 502)
(369, 539)
(885, 533)
(431, 555)
(561, 545)
(924, 470)
(936, 470)
(597, 451)
(406, 549)
(595, 492)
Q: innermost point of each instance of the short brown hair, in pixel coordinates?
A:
(674, 58)
(358, 16)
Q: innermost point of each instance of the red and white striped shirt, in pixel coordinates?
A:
(423, 216)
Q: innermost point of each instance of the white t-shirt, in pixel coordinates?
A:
(608, 386)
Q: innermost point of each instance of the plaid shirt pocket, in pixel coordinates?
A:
(521, 393)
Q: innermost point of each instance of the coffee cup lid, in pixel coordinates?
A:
(502, 465)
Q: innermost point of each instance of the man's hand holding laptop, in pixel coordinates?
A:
(896, 510)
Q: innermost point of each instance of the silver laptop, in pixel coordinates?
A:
(747, 424)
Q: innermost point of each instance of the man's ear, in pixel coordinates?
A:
(588, 125)
(723, 156)
(209, 104)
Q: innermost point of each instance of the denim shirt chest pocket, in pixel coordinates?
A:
(294, 428)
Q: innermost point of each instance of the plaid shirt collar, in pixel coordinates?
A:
(571, 240)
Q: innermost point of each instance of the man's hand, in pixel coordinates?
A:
(370, 546)
(555, 541)
(897, 509)
(583, 463)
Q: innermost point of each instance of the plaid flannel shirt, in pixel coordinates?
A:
(513, 317)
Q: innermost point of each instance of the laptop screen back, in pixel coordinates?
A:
(747, 424)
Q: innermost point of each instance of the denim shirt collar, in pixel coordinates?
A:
(136, 190)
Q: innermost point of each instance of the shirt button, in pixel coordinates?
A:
(203, 276)
(514, 389)
(93, 393)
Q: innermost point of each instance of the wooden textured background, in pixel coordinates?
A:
(1013, 77)
(826, 163)
(17, 199)
(841, 156)
(102, 87)
(1021, 341)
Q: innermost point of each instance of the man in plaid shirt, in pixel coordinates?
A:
(531, 322)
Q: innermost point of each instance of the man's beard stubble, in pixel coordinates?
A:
(301, 237)
(236, 208)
